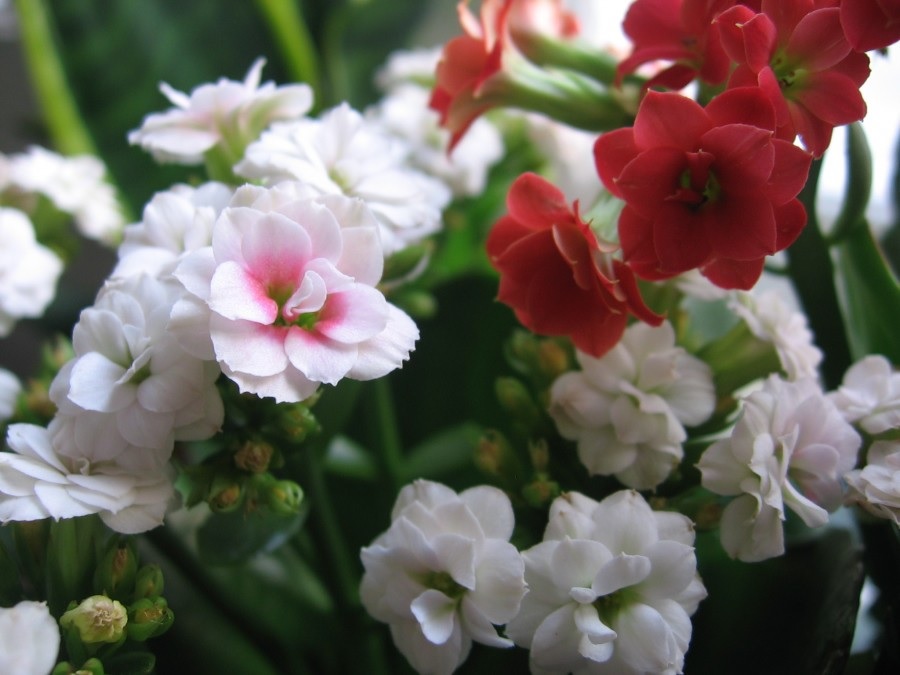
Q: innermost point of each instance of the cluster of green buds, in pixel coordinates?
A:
(105, 632)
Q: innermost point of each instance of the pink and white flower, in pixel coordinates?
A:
(627, 409)
(37, 483)
(227, 114)
(28, 271)
(285, 299)
(789, 449)
(611, 589)
(342, 153)
(444, 573)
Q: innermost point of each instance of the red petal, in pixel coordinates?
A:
(744, 157)
(742, 105)
(679, 239)
(818, 41)
(651, 178)
(738, 274)
(612, 151)
(537, 203)
(790, 219)
(669, 119)
(871, 24)
(741, 228)
(789, 173)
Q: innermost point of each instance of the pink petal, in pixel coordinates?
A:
(354, 315)
(316, 356)
(237, 294)
(249, 347)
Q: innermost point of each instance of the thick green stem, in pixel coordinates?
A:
(575, 55)
(294, 40)
(385, 421)
(858, 187)
(64, 123)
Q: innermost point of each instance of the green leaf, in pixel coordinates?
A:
(445, 452)
(230, 538)
(870, 296)
(349, 459)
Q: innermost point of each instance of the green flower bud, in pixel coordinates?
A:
(117, 568)
(540, 492)
(225, 494)
(149, 582)
(91, 667)
(284, 497)
(515, 398)
(149, 618)
(254, 456)
(297, 422)
(97, 619)
(552, 359)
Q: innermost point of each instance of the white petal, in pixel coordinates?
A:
(436, 614)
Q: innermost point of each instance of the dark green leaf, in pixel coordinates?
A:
(445, 452)
(230, 538)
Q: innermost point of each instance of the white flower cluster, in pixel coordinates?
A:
(610, 589)
(29, 639)
(76, 186)
(627, 409)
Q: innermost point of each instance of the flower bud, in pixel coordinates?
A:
(225, 494)
(541, 491)
(515, 398)
(540, 455)
(254, 456)
(284, 497)
(491, 451)
(149, 618)
(92, 666)
(297, 421)
(149, 582)
(117, 568)
(97, 619)
(552, 359)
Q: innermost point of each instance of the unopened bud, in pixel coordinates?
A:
(97, 619)
(553, 359)
(226, 494)
(540, 455)
(149, 582)
(92, 666)
(254, 456)
(117, 568)
(284, 497)
(149, 618)
(489, 454)
(297, 422)
(540, 492)
(517, 401)
(523, 350)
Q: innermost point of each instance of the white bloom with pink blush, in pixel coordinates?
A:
(789, 449)
(287, 295)
(226, 113)
(38, 483)
(28, 271)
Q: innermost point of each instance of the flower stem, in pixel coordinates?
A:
(294, 40)
(385, 419)
(858, 187)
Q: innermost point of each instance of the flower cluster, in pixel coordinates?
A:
(234, 378)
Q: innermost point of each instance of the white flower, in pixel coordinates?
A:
(444, 573)
(876, 487)
(611, 589)
(175, 222)
(404, 112)
(29, 639)
(789, 448)
(342, 154)
(10, 388)
(772, 320)
(285, 299)
(627, 409)
(409, 66)
(870, 395)
(28, 271)
(128, 366)
(75, 185)
(226, 114)
(37, 483)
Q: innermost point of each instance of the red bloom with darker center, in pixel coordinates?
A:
(708, 188)
(678, 31)
(556, 275)
(797, 53)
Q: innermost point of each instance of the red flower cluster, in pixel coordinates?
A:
(556, 275)
(709, 188)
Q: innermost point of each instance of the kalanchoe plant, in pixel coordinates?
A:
(404, 360)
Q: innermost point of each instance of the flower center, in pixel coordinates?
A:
(443, 582)
(609, 606)
(789, 75)
(697, 185)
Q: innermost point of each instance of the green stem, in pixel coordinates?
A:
(575, 55)
(294, 40)
(64, 123)
(385, 418)
(325, 517)
(858, 187)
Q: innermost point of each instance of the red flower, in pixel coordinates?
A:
(556, 275)
(680, 31)
(471, 76)
(704, 188)
(796, 52)
(871, 24)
